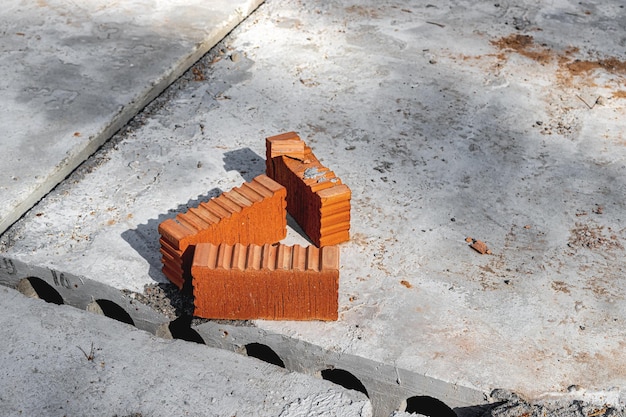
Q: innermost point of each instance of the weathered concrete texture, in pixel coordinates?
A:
(58, 360)
(495, 121)
(378, 381)
(73, 74)
(511, 405)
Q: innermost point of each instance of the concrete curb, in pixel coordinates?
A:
(387, 387)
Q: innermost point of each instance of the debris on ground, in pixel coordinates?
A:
(173, 303)
(514, 406)
(478, 245)
(593, 236)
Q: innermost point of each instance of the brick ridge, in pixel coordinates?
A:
(270, 257)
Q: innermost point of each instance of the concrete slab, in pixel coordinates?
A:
(72, 75)
(58, 360)
(494, 121)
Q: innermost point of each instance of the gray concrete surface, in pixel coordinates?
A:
(377, 381)
(73, 74)
(499, 121)
(61, 361)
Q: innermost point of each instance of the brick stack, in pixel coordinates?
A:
(274, 282)
(227, 244)
(252, 213)
(316, 198)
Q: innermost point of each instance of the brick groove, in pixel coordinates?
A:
(252, 213)
(316, 197)
(272, 282)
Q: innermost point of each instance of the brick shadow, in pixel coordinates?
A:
(246, 162)
(145, 238)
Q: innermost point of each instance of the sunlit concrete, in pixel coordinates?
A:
(73, 73)
(484, 120)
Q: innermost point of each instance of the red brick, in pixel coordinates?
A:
(316, 198)
(272, 282)
(252, 213)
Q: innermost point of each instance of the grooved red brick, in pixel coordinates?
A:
(252, 213)
(316, 197)
(273, 282)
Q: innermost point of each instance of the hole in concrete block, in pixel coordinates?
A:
(345, 379)
(111, 310)
(264, 353)
(181, 329)
(38, 288)
(428, 406)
